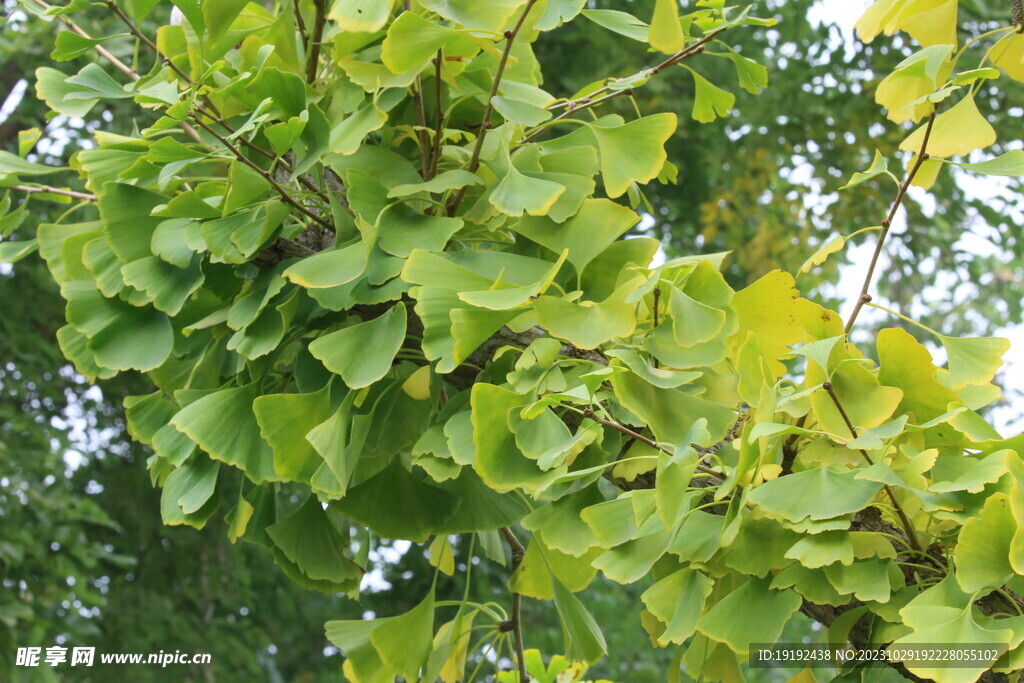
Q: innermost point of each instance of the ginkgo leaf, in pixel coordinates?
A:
(518, 111)
(678, 601)
(224, 425)
(710, 101)
(330, 268)
(597, 224)
(405, 642)
(314, 544)
(364, 352)
(820, 493)
(449, 180)
(982, 553)
(633, 152)
(361, 16)
(974, 360)
(766, 610)
(1008, 55)
(956, 132)
(490, 16)
(1009, 164)
(119, 336)
(518, 193)
(666, 33)
(878, 167)
(623, 23)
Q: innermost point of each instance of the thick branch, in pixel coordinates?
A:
(515, 624)
(313, 60)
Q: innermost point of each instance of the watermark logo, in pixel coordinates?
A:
(86, 656)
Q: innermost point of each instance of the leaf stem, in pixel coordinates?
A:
(435, 152)
(904, 520)
(485, 121)
(922, 156)
(904, 318)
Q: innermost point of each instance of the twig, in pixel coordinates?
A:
(685, 53)
(485, 121)
(585, 103)
(515, 624)
(922, 156)
(288, 199)
(904, 520)
(313, 60)
(103, 52)
(48, 189)
(299, 23)
(210, 110)
(590, 414)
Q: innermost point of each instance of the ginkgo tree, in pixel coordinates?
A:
(383, 285)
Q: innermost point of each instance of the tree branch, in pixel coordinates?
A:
(515, 624)
(904, 520)
(687, 52)
(474, 161)
(591, 415)
(922, 156)
(287, 198)
(313, 60)
(48, 189)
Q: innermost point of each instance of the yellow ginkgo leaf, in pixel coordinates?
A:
(666, 33)
(959, 131)
(1008, 55)
(929, 22)
(876, 19)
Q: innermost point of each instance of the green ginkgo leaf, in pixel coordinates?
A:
(879, 166)
(395, 504)
(167, 285)
(520, 112)
(361, 16)
(1009, 164)
(961, 629)
(824, 251)
(632, 152)
(449, 180)
(330, 268)
(982, 553)
(584, 641)
(974, 360)
(819, 493)
(364, 352)
(224, 425)
(491, 16)
(765, 611)
(597, 225)
(692, 321)
(518, 193)
(710, 101)
(310, 540)
(588, 324)
(678, 601)
(498, 461)
(404, 642)
(623, 23)
(120, 336)
(284, 421)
